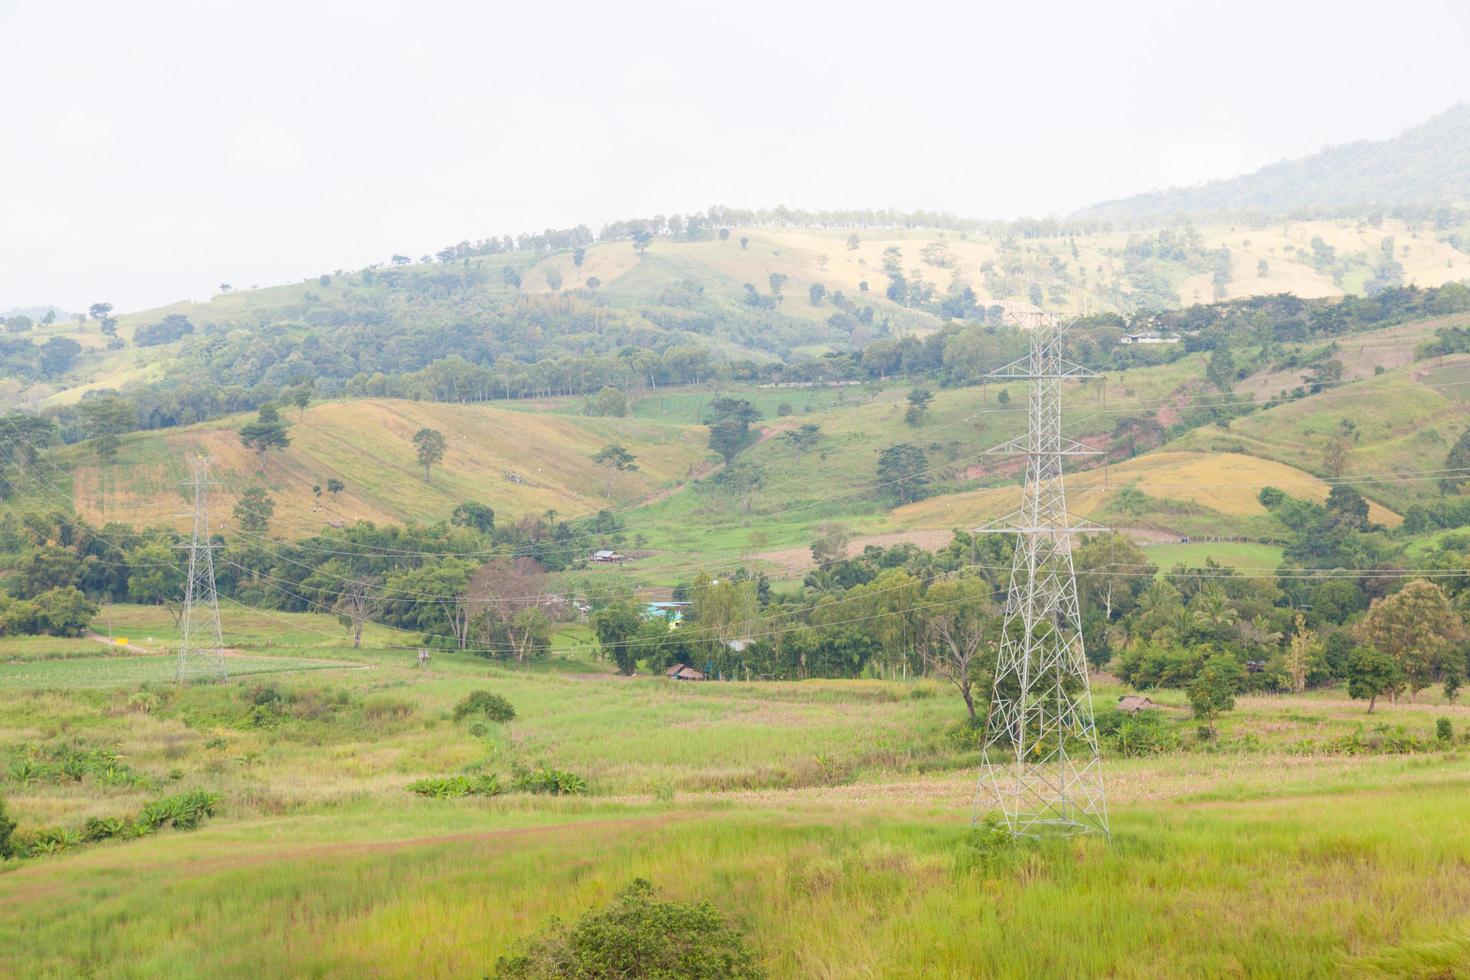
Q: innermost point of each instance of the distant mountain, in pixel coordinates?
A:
(1426, 166)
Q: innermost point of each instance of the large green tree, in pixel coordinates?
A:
(1421, 631)
(266, 432)
(429, 446)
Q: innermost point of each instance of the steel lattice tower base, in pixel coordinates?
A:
(1040, 768)
(201, 646)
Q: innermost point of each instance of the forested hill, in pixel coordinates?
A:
(1422, 168)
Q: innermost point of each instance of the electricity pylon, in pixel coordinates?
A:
(201, 647)
(1039, 762)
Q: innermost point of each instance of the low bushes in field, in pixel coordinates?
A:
(73, 763)
(543, 779)
(486, 704)
(7, 832)
(184, 811)
(386, 707)
(638, 935)
(451, 787)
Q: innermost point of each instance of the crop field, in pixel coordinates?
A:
(830, 820)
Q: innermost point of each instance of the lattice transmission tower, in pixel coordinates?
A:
(201, 646)
(1040, 768)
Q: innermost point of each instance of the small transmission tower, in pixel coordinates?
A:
(1039, 763)
(201, 647)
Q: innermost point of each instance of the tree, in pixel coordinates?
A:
(831, 543)
(1301, 654)
(267, 432)
(642, 238)
(511, 277)
(301, 398)
(356, 600)
(918, 410)
(1263, 269)
(107, 419)
(729, 426)
(609, 401)
(742, 479)
(1457, 465)
(1220, 369)
(156, 578)
(902, 468)
(744, 242)
(959, 630)
(1212, 693)
(815, 292)
(1372, 674)
(803, 437)
(579, 254)
(473, 515)
(1112, 572)
(616, 625)
(593, 282)
(724, 234)
(503, 601)
(429, 446)
(102, 313)
(335, 485)
(852, 242)
(777, 281)
(1421, 631)
(254, 510)
(615, 459)
(553, 280)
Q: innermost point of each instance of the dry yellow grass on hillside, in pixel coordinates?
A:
(1225, 482)
(368, 446)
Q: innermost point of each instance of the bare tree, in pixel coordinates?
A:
(355, 605)
(959, 633)
(507, 602)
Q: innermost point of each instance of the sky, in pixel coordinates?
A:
(154, 150)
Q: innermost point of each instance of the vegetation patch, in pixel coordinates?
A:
(638, 935)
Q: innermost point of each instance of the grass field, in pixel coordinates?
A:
(1255, 558)
(828, 819)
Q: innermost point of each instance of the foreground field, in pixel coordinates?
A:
(829, 820)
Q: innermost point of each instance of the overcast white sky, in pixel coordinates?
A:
(153, 150)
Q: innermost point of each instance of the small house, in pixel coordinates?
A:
(1132, 704)
(679, 672)
(608, 556)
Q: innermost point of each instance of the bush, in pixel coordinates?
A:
(492, 706)
(7, 832)
(1444, 731)
(637, 936)
(1144, 733)
(452, 787)
(556, 782)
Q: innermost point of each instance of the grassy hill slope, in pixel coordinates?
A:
(1405, 423)
(366, 444)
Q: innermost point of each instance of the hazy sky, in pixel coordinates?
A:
(154, 150)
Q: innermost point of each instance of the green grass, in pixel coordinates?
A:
(829, 819)
(1233, 554)
(109, 672)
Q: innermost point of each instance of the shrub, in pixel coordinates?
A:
(1443, 730)
(7, 831)
(556, 782)
(1144, 733)
(451, 787)
(637, 936)
(492, 706)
